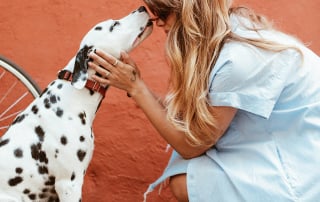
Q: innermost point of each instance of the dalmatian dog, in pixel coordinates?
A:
(48, 147)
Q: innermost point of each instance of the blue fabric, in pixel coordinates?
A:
(271, 150)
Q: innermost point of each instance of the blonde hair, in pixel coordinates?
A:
(193, 46)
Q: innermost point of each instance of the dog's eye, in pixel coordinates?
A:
(116, 23)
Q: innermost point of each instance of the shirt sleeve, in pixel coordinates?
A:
(248, 78)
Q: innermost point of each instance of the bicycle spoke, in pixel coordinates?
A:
(10, 116)
(2, 74)
(8, 92)
(18, 89)
(14, 104)
(4, 127)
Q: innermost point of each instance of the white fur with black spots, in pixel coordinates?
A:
(47, 149)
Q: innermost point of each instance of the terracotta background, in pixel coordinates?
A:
(42, 35)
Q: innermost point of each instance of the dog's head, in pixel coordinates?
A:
(111, 36)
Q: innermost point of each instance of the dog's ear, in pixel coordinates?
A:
(80, 70)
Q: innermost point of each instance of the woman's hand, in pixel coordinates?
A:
(122, 74)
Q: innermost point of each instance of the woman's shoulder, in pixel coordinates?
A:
(239, 54)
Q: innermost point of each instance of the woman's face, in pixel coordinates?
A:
(165, 24)
(164, 20)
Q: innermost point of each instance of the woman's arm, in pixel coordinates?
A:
(127, 77)
(177, 139)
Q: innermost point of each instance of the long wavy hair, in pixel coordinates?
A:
(192, 47)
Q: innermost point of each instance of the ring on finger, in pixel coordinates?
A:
(115, 63)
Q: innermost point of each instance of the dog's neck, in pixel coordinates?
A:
(90, 84)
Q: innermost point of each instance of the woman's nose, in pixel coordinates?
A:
(160, 23)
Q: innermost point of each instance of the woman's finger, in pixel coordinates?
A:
(107, 57)
(99, 63)
(126, 59)
(101, 80)
(102, 71)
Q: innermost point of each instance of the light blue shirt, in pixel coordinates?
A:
(271, 151)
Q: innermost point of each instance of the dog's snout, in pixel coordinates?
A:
(142, 9)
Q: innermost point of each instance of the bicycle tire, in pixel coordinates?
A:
(21, 74)
(17, 91)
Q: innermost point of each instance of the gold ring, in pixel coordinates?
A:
(115, 63)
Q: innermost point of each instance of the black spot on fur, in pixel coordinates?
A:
(81, 154)
(53, 199)
(3, 142)
(51, 181)
(26, 191)
(53, 99)
(34, 109)
(56, 153)
(15, 181)
(82, 117)
(53, 191)
(43, 157)
(35, 151)
(19, 119)
(60, 86)
(46, 103)
(37, 154)
(43, 195)
(64, 140)
(52, 83)
(91, 92)
(43, 170)
(116, 23)
(82, 139)
(59, 112)
(73, 176)
(18, 153)
(39, 131)
(98, 28)
(19, 170)
(44, 190)
(32, 196)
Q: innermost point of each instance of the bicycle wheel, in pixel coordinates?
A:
(17, 91)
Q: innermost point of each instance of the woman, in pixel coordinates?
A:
(243, 110)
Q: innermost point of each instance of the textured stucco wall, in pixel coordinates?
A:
(42, 35)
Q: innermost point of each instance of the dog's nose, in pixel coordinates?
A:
(142, 9)
(150, 23)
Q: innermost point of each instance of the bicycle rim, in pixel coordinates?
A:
(17, 91)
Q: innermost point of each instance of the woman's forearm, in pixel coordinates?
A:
(156, 113)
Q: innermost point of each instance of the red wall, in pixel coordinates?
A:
(42, 35)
